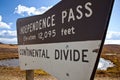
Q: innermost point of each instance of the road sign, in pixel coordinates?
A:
(66, 40)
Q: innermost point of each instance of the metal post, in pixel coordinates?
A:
(29, 74)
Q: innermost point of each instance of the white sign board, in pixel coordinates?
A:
(65, 41)
(68, 60)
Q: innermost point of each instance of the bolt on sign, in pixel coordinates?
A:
(66, 40)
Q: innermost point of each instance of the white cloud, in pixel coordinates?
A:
(0, 18)
(9, 33)
(9, 40)
(113, 35)
(112, 41)
(3, 24)
(8, 36)
(24, 10)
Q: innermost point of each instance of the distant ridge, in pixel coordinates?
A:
(111, 48)
(1, 43)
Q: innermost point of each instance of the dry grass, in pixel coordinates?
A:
(8, 46)
(6, 56)
(106, 78)
(9, 73)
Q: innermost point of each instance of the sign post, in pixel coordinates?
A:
(67, 40)
(29, 74)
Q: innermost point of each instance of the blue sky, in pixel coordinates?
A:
(10, 11)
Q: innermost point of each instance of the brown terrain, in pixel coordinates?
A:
(112, 53)
(10, 51)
